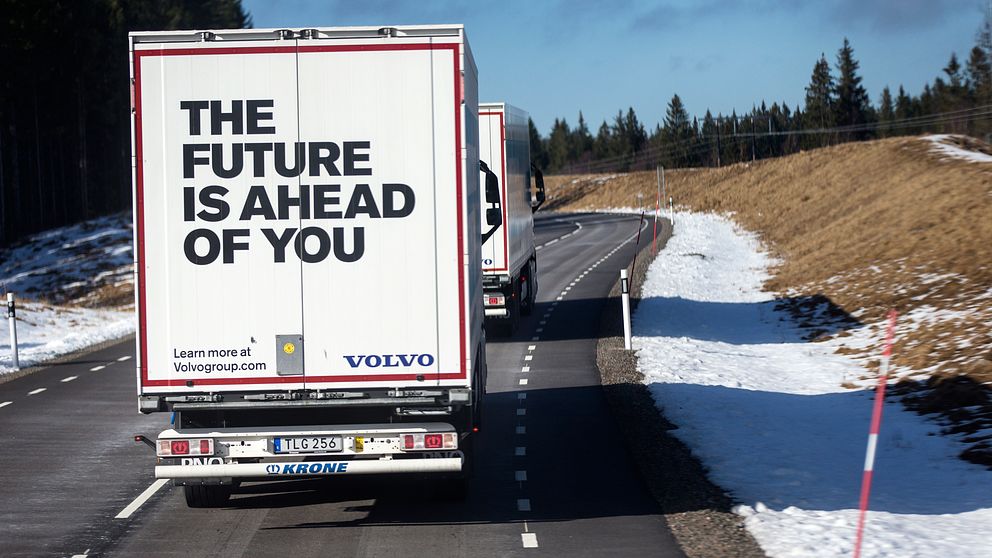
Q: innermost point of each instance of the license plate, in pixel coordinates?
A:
(307, 444)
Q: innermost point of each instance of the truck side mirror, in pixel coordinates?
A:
(539, 182)
(494, 214)
(492, 188)
(494, 217)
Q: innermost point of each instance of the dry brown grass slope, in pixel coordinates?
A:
(875, 225)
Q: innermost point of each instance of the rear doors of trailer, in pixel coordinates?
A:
(301, 211)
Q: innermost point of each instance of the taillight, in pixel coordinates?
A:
(180, 447)
(173, 448)
(433, 441)
(447, 440)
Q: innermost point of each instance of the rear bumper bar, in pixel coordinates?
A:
(310, 468)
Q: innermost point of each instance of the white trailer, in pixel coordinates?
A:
(307, 217)
(509, 258)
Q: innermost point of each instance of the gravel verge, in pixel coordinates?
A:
(697, 511)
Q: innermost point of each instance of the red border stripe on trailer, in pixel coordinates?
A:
(140, 221)
(502, 177)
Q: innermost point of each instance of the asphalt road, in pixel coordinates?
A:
(552, 476)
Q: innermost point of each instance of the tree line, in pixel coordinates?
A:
(836, 109)
(65, 129)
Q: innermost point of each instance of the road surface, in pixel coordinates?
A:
(552, 474)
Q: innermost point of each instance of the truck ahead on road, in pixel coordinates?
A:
(307, 216)
(509, 257)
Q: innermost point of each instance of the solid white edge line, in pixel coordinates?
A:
(141, 499)
(37, 391)
(68, 379)
(5, 403)
(529, 540)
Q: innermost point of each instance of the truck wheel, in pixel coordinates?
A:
(206, 496)
(527, 305)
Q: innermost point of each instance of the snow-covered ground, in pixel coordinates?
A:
(765, 411)
(943, 144)
(54, 274)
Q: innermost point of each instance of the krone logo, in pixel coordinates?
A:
(289, 348)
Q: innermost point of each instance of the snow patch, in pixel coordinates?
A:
(766, 413)
(941, 144)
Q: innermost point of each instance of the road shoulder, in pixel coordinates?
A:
(697, 511)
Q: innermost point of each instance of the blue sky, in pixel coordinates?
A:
(553, 58)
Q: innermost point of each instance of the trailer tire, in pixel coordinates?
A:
(207, 496)
(527, 305)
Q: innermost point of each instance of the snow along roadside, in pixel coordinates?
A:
(46, 332)
(765, 412)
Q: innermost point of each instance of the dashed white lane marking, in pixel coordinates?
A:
(535, 338)
(559, 298)
(37, 391)
(523, 504)
(525, 369)
(123, 358)
(529, 357)
(141, 499)
(523, 382)
(531, 347)
(80, 555)
(529, 540)
(97, 368)
(520, 451)
(521, 412)
(521, 430)
(522, 395)
(542, 322)
(68, 379)
(5, 403)
(549, 243)
(520, 476)
(539, 330)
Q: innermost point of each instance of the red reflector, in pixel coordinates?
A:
(407, 441)
(475, 429)
(433, 441)
(180, 447)
(205, 447)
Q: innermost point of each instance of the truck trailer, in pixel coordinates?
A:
(307, 214)
(509, 257)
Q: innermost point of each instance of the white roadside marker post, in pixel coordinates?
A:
(876, 424)
(625, 296)
(13, 330)
(671, 210)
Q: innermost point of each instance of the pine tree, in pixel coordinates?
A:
(602, 145)
(538, 149)
(819, 109)
(886, 113)
(979, 75)
(677, 133)
(558, 145)
(852, 106)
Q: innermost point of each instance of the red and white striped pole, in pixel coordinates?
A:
(876, 423)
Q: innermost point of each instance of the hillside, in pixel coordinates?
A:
(902, 223)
